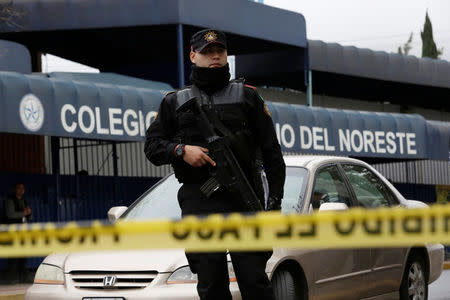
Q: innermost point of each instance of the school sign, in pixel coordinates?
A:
(55, 107)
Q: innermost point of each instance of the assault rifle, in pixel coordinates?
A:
(227, 172)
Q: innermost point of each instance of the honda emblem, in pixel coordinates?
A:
(109, 281)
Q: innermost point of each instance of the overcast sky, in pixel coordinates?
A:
(374, 24)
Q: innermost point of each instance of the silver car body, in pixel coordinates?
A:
(366, 273)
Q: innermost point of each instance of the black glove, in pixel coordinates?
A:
(273, 203)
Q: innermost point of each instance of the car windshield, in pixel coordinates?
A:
(160, 201)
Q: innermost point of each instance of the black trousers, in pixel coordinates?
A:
(211, 268)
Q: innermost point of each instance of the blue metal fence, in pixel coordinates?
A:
(80, 197)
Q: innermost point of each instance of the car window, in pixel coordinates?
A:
(161, 202)
(368, 188)
(329, 186)
(294, 189)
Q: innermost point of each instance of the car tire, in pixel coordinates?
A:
(414, 284)
(284, 288)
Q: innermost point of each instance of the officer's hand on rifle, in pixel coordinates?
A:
(197, 156)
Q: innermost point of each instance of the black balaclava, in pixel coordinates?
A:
(210, 80)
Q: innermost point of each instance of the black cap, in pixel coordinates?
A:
(206, 37)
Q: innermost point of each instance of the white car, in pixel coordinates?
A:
(312, 183)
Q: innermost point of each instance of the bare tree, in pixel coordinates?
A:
(406, 47)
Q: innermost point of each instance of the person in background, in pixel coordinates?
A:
(16, 208)
(17, 211)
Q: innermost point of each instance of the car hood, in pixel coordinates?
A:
(165, 260)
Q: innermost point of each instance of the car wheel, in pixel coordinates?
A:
(414, 284)
(284, 287)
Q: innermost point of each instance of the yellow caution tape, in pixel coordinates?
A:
(354, 228)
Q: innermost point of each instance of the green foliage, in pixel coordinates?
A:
(429, 48)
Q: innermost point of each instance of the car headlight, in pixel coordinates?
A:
(185, 275)
(48, 274)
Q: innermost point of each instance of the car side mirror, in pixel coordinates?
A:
(115, 212)
(416, 204)
(333, 206)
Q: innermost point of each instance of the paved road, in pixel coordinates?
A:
(440, 289)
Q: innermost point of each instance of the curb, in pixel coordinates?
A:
(20, 296)
(13, 292)
(446, 265)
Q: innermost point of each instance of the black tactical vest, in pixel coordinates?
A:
(229, 104)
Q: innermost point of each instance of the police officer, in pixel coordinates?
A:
(175, 138)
